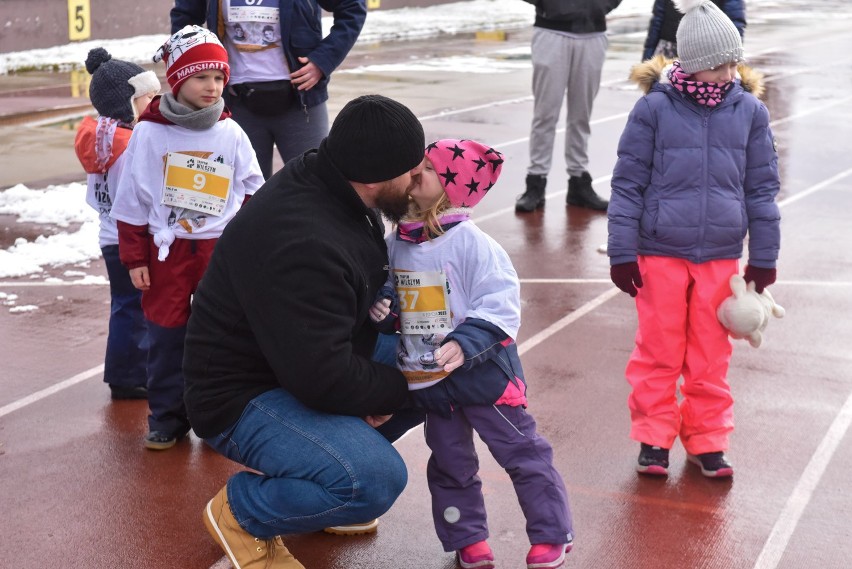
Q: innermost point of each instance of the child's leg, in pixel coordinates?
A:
(707, 407)
(458, 508)
(166, 306)
(127, 344)
(657, 360)
(510, 433)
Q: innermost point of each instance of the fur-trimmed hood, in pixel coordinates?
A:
(655, 70)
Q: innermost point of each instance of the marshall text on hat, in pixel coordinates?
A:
(191, 50)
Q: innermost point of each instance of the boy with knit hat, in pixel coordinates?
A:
(119, 91)
(190, 169)
(697, 171)
(458, 300)
(279, 345)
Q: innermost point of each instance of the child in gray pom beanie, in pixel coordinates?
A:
(119, 91)
(697, 171)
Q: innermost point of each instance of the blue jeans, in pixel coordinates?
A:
(316, 470)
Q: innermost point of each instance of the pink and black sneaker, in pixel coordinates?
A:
(547, 555)
(476, 556)
(653, 460)
(713, 464)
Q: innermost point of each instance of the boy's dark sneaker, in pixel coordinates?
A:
(124, 392)
(161, 440)
(653, 460)
(713, 464)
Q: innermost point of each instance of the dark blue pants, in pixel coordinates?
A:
(165, 380)
(127, 341)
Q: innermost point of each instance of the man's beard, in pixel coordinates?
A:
(392, 202)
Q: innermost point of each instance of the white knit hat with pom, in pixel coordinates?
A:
(706, 37)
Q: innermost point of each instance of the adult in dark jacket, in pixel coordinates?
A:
(280, 65)
(568, 50)
(277, 362)
(665, 19)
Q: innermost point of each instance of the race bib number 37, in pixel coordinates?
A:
(196, 184)
(424, 306)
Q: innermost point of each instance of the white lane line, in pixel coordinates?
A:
(48, 391)
(786, 524)
(566, 321)
(779, 538)
(814, 188)
(551, 196)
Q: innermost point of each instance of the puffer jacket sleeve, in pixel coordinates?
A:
(735, 10)
(762, 184)
(186, 12)
(631, 176)
(653, 37)
(479, 340)
(348, 19)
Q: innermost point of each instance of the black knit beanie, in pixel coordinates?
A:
(375, 139)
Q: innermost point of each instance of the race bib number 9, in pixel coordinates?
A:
(265, 11)
(196, 184)
(424, 306)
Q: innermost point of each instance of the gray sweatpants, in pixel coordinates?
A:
(571, 64)
(292, 133)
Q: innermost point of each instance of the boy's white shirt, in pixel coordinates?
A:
(483, 282)
(100, 194)
(140, 188)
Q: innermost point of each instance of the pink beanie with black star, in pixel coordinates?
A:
(466, 169)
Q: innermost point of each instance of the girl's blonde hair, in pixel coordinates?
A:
(430, 217)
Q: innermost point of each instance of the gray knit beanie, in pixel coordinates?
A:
(706, 37)
(116, 83)
(375, 139)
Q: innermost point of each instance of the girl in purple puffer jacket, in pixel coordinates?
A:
(697, 171)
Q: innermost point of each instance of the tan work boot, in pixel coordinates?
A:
(243, 550)
(354, 529)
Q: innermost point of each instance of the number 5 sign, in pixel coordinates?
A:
(78, 20)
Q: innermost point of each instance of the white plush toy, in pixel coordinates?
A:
(745, 314)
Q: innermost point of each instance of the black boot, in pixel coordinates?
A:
(533, 198)
(581, 194)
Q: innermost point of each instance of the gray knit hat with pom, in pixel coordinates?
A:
(706, 37)
(116, 83)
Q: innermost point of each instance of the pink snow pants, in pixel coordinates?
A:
(679, 335)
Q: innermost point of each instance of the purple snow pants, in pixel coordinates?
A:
(458, 508)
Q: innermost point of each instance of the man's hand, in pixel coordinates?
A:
(450, 356)
(307, 76)
(380, 310)
(376, 421)
(140, 278)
